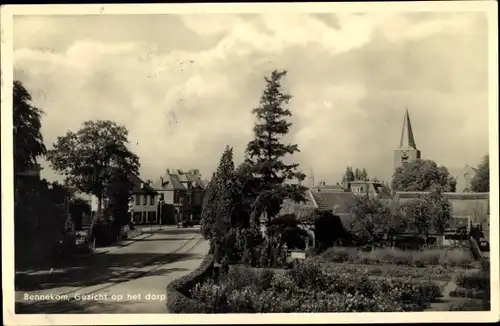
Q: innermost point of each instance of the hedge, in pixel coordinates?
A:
(178, 298)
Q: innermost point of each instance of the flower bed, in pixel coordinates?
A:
(434, 273)
(310, 288)
(444, 257)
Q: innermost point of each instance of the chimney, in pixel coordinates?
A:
(322, 183)
(142, 185)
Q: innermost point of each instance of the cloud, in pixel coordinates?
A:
(351, 77)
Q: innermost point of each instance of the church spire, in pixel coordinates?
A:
(407, 139)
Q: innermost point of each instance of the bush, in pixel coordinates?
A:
(305, 288)
(468, 305)
(179, 299)
(474, 281)
(451, 257)
(467, 293)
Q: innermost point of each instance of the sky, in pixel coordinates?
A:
(185, 85)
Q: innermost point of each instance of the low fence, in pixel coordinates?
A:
(178, 299)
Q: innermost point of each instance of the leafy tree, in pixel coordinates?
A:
(28, 140)
(89, 157)
(77, 208)
(117, 192)
(481, 181)
(422, 175)
(271, 178)
(429, 213)
(372, 219)
(348, 175)
(360, 174)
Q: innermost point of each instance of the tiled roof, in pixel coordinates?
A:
(203, 183)
(303, 211)
(173, 183)
(338, 202)
(449, 195)
(136, 185)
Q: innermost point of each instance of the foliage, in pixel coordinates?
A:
(348, 175)
(372, 218)
(467, 305)
(209, 208)
(178, 299)
(481, 180)
(431, 272)
(328, 229)
(430, 213)
(422, 175)
(443, 257)
(77, 208)
(475, 281)
(309, 288)
(28, 139)
(89, 157)
(270, 178)
(118, 192)
(356, 175)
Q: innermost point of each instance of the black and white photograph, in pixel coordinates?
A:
(208, 159)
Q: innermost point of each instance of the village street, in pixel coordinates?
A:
(127, 279)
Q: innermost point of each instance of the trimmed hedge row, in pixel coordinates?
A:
(178, 297)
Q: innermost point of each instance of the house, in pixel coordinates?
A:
(182, 193)
(144, 203)
(361, 187)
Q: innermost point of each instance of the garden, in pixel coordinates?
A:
(346, 280)
(248, 269)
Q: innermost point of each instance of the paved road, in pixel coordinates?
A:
(130, 279)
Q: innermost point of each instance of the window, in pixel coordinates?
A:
(152, 217)
(151, 200)
(137, 199)
(145, 200)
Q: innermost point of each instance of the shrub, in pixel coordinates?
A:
(340, 254)
(452, 257)
(468, 305)
(478, 280)
(178, 298)
(467, 293)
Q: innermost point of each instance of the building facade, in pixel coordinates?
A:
(182, 193)
(143, 205)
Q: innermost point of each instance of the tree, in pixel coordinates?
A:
(422, 175)
(481, 181)
(89, 157)
(28, 139)
(77, 208)
(209, 208)
(348, 175)
(429, 213)
(117, 192)
(272, 179)
(372, 218)
(214, 218)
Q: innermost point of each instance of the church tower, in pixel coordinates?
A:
(407, 150)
